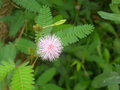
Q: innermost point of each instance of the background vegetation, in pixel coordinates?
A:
(93, 63)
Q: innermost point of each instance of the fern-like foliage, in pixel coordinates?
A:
(5, 68)
(31, 5)
(22, 78)
(44, 19)
(72, 35)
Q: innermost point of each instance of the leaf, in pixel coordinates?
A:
(108, 27)
(46, 76)
(113, 87)
(45, 2)
(106, 79)
(114, 8)
(5, 68)
(57, 2)
(31, 5)
(24, 45)
(51, 87)
(116, 47)
(17, 21)
(109, 16)
(72, 35)
(78, 64)
(8, 52)
(59, 22)
(115, 1)
(57, 18)
(106, 55)
(81, 86)
(44, 18)
(22, 78)
(117, 68)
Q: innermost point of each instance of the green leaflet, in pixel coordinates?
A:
(57, 2)
(115, 8)
(24, 45)
(51, 87)
(22, 78)
(116, 47)
(106, 79)
(17, 22)
(31, 5)
(72, 35)
(109, 16)
(44, 18)
(8, 52)
(113, 87)
(115, 1)
(46, 76)
(5, 68)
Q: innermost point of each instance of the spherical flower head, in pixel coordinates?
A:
(49, 47)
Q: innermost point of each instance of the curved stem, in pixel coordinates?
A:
(35, 61)
(28, 59)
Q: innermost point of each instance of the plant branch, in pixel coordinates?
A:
(35, 61)
(22, 30)
(27, 59)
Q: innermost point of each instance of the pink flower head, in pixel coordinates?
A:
(49, 47)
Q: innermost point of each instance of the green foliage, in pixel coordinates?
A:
(106, 54)
(46, 76)
(88, 6)
(2, 85)
(117, 46)
(106, 79)
(57, 2)
(31, 5)
(110, 16)
(115, 16)
(22, 78)
(72, 35)
(51, 87)
(15, 22)
(115, 1)
(24, 45)
(78, 65)
(81, 86)
(108, 27)
(5, 68)
(113, 87)
(44, 18)
(0, 3)
(114, 6)
(7, 52)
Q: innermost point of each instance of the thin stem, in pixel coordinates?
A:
(84, 69)
(28, 59)
(22, 30)
(35, 61)
(14, 5)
